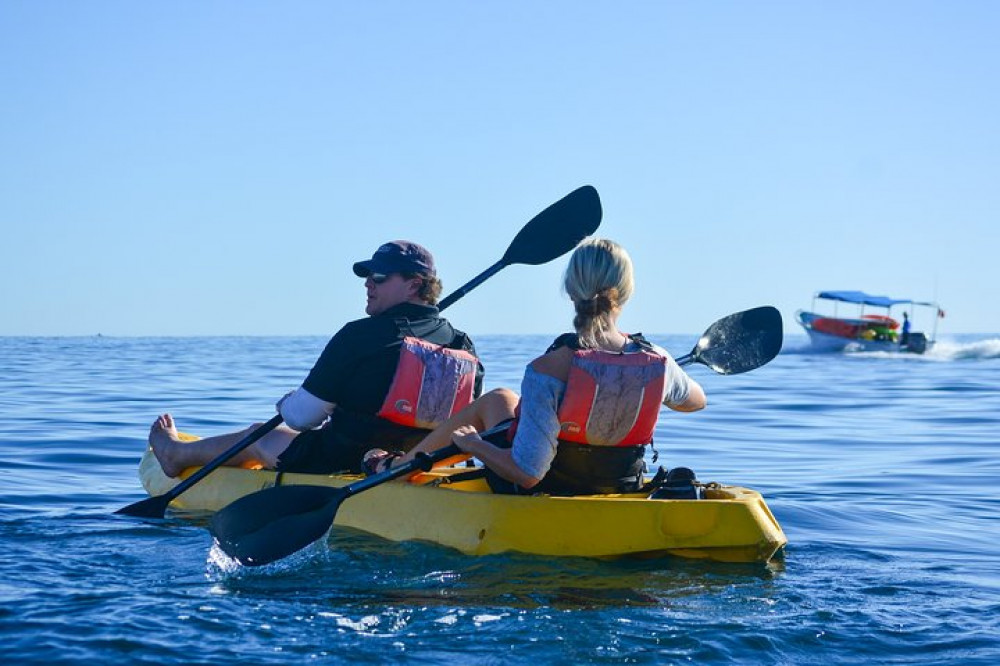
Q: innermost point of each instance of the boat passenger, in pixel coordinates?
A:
(366, 386)
(588, 406)
(904, 334)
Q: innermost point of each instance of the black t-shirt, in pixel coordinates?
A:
(356, 367)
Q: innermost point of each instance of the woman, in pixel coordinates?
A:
(589, 405)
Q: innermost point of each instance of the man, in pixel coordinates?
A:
(353, 398)
(904, 337)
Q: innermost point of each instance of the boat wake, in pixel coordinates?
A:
(957, 351)
(942, 350)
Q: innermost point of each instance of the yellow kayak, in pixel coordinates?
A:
(732, 524)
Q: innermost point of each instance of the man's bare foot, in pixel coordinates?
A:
(164, 441)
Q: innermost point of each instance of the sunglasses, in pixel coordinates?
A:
(378, 278)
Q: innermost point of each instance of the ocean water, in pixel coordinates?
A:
(882, 469)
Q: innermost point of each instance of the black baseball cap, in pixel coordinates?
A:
(397, 257)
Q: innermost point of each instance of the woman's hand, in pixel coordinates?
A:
(466, 437)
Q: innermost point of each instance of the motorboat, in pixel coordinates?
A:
(877, 323)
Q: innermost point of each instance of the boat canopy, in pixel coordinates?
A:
(861, 298)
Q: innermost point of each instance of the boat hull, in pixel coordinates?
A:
(732, 524)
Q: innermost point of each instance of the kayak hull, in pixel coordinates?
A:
(732, 524)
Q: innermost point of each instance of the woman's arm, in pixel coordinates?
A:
(696, 399)
(499, 460)
(680, 392)
(534, 447)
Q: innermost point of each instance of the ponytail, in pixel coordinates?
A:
(599, 281)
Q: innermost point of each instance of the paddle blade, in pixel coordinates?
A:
(557, 229)
(151, 507)
(273, 523)
(741, 342)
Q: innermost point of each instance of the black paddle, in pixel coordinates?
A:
(550, 234)
(273, 523)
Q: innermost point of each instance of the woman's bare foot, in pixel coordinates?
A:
(164, 441)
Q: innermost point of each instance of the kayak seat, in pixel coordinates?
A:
(678, 483)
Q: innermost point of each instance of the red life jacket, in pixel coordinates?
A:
(431, 383)
(612, 399)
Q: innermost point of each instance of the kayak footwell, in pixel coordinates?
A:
(732, 524)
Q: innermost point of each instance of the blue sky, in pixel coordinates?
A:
(188, 168)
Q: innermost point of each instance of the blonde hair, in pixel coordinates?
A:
(599, 281)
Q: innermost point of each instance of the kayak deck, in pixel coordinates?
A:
(732, 524)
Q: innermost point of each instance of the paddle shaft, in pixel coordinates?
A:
(423, 462)
(471, 284)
